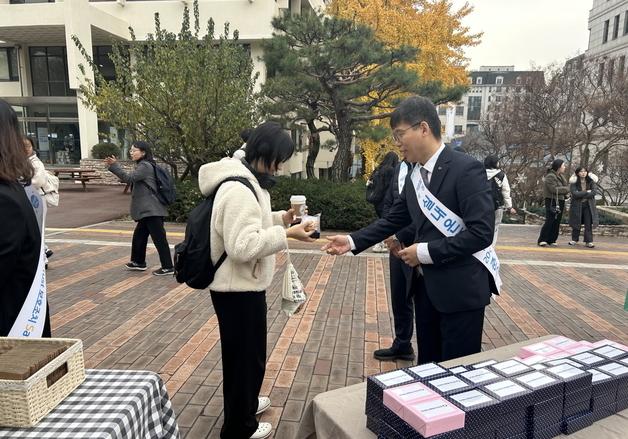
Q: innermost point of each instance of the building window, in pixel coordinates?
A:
(499, 80)
(459, 110)
(626, 23)
(611, 70)
(457, 129)
(498, 89)
(442, 110)
(616, 27)
(49, 71)
(21, 2)
(622, 65)
(600, 76)
(498, 98)
(8, 64)
(104, 63)
(478, 80)
(475, 108)
(605, 34)
(518, 80)
(296, 176)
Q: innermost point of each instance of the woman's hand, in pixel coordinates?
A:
(288, 217)
(110, 160)
(302, 232)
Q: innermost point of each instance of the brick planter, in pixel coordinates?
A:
(106, 177)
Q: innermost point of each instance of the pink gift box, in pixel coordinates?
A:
(579, 348)
(538, 349)
(398, 397)
(433, 416)
(531, 360)
(561, 342)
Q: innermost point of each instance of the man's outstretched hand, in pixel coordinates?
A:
(337, 245)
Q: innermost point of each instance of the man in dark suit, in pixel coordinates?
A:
(400, 276)
(451, 287)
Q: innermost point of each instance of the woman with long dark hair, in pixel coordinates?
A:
(244, 228)
(555, 189)
(20, 240)
(583, 188)
(146, 209)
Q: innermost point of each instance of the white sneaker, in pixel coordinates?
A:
(263, 404)
(263, 431)
(573, 242)
(380, 248)
(542, 244)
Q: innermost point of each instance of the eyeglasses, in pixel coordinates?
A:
(397, 135)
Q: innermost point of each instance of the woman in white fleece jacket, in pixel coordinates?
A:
(244, 227)
(499, 177)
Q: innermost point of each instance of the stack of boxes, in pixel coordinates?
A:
(557, 386)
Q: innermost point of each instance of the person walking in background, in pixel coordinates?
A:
(500, 189)
(246, 234)
(583, 188)
(400, 277)
(47, 184)
(20, 240)
(377, 187)
(555, 189)
(146, 209)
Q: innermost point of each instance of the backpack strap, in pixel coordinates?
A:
(246, 183)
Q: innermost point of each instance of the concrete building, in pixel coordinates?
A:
(487, 86)
(608, 36)
(39, 72)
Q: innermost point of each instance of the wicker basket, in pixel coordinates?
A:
(25, 403)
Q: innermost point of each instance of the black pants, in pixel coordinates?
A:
(444, 336)
(242, 324)
(153, 226)
(402, 303)
(587, 219)
(551, 227)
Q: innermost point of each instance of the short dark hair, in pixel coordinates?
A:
(490, 162)
(414, 110)
(556, 164)
(245, 133)
(145, 148)
(31, 141)
(270, 144)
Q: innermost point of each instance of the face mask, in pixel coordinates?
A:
(266, 181)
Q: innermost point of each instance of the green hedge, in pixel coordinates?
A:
(105, 149)
(605, 218)
(342, 205)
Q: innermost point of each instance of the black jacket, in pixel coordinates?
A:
(456, 281)
(20, 243)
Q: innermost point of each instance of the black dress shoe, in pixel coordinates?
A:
(393, 353)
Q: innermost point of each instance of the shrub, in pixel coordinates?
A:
(605, 218)
(342, 205)
(105, 149)
(188, 197)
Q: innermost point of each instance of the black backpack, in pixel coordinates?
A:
(496, 189)
(166, 192)
(192, 257)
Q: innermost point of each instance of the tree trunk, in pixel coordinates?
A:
(315, 145)
(342, 161)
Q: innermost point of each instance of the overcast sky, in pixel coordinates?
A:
(521, 32)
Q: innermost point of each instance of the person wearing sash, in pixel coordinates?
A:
(21, 257)
(448, 200)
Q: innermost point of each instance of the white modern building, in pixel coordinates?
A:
(39, 72)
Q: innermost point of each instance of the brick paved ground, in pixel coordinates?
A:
(137, 321)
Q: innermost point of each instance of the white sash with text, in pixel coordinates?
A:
(450, 224)
(30, 321)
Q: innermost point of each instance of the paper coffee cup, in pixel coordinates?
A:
(297, 203)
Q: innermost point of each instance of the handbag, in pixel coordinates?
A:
(293, 294)
(555, 208)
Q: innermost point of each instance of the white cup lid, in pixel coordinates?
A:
(297, 199)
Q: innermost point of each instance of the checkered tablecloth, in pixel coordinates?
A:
(109, 404)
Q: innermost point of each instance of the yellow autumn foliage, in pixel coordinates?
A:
(433, 26)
